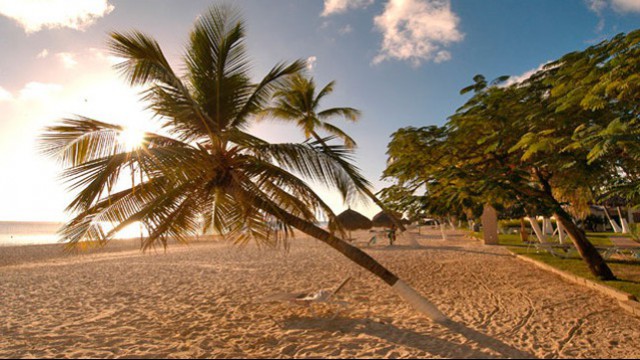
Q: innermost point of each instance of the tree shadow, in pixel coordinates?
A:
(426, 247)
(423, 342)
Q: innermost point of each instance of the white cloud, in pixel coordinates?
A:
(341, 6)
(527, 74)
(626, 5)
(35, 15)
(417, 30)
(5, 95)
(347, 29)
(102, 56)
(39, 91)
(67, 59)
(621, 6)
(311, 62)
(442, 56)
(596, 5)
(43, 54)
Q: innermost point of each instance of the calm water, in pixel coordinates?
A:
(26, 232)
(32, 232)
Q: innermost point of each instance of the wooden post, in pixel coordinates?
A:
(490, 225)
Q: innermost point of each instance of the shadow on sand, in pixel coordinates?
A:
(439, 247)
(433, 345)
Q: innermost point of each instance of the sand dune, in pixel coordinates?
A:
(206, 300)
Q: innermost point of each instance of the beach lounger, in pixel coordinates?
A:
(308, 299)
(625, 247)
(563, 251)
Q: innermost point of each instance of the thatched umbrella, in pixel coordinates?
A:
(383, 219)
(353, 220)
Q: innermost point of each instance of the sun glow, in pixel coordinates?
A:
(131, 138)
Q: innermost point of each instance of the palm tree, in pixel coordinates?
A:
(206, 166)
(296, 101)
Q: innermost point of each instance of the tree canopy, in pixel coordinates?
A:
(551, 144)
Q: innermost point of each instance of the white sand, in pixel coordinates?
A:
(205, 301)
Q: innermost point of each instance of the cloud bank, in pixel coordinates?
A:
(34, 15)
(626, 5)
(417, 31)
(620, 6)
(341, 6)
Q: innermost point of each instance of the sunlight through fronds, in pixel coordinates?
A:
(208, 175)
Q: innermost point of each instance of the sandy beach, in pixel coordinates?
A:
(208, 300)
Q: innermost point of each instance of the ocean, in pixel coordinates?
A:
(28, 232)
(36, 232)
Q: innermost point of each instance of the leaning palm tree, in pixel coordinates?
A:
(296, 101)
(206, 172)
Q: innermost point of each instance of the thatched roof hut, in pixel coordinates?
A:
(383, 219)
(353, 220)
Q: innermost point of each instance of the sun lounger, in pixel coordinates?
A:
(625, 247)
(563, 251)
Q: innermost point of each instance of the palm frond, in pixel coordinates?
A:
(326, 90)
(334, 130)
(145, 64)
(345, 112)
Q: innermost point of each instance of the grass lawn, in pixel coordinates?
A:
(626, 270)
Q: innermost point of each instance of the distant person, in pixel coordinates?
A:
(392, 234)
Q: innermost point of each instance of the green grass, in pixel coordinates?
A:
(627, 271)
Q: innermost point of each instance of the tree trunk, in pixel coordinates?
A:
(613, 223)
(562, 234)
(397, 222)
(361, 258)
(623, 222)
(524, 237)
(444, 235)
(536, 229)
(588, 252)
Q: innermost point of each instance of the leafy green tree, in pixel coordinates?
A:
(415, 155)
(207, 166)
(507, 146)
(522, 151)
(602, 84)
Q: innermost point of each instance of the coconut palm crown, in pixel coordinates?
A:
(298, 102)
(207, 167)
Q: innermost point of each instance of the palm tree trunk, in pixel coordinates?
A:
(363, 259)
(397, 222)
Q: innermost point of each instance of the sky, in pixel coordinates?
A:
(401, 62)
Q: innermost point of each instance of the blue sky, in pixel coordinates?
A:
(402, 63)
